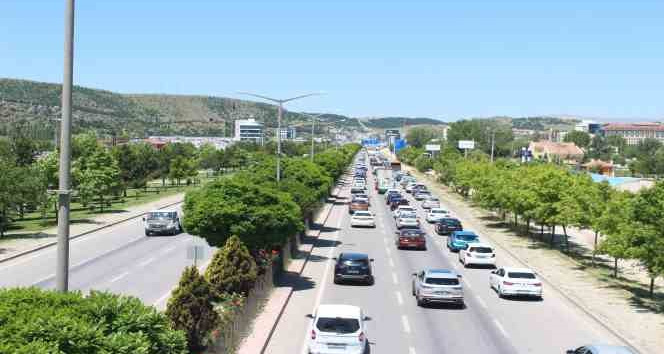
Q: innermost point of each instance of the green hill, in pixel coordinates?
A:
(136, 115)
(398, 122)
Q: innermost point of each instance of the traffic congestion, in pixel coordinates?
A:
(454, 265)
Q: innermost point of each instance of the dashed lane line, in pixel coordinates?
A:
(118, 277)
(395, 279)
(411, 350)
(405, 324)
(399, 298)
(391, 262)
(501, 328)
(481, 302)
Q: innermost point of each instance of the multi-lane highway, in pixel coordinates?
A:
(120, 259)
(487, 324)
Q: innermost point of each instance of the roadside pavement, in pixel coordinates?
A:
(15, 246)
(617, 309)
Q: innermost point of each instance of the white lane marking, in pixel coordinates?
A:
(500, 328)
(385, 240)
(388, 251)
(118, 277)
(167, 250)
(391, 262)
(146, 262)
(467, 283)
(395, 280)
(481, 302)
(411, 350)
(405, 324)
(399, 298)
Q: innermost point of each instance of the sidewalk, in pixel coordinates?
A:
(615, 307)
(14, 247)
(264, 324)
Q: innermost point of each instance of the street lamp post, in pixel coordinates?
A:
(62, 267)
(280, 109)
(313, 125)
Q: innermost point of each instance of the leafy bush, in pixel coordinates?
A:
(232, 269)
(190, 308)
(36, 321)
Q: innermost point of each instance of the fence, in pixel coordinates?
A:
(239, 324)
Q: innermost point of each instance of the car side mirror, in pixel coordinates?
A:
(459, 276)
(144, 218)
(396, 232)
(494, 272)
(367, 318)
(570, 351)
(371, 260)
(334, 258)
(309, 316)
(414, 274)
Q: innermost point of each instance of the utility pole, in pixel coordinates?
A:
(280, 102)
(493, 143)
(313, 125)
(62, 267)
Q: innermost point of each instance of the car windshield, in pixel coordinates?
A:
(408, 215)
(521, 275)
(452, 222)
(466, 237)
(338, 325)
(355, 262)
(161, 215)
(481, 250)
(438, 211)
(359, 201)
(412, 233)
(441, 281)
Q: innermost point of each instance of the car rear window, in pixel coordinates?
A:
(338, 325)
(360, 201)
(521, 275)
(361, 213)
(481, 250)
(441, 281)
(452, 222)
(467, 237)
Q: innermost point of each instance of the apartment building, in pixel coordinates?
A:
(249, 130)
(635, 132)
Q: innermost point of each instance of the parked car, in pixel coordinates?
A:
(362, 218)
(437, 285)
(358, 204)
(436, 214)
(353, 267)
(446, 226)
(162, 222)
(600, 349)
(411, 238)
(338, 329)
(431, 202)
(459, 239)
(477, 254)
(515, 282)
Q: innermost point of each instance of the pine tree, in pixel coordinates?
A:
(232, 269)
(190, 308)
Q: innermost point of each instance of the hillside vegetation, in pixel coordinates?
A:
(398, 122)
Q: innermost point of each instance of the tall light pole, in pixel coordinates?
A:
(313, 125)
(62, 267)
(280, 109)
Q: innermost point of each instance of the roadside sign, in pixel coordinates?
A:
(432, 147)
(466, 144)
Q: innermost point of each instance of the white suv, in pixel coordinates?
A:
(477, 254)
(338, 329)
(162, 222)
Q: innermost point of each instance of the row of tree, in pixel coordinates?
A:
(631, 225)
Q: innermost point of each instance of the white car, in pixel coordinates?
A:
(410, 186)
(162, 222)
(422, 195)
(362, 218)
(515, 282)
(408, 220)
(436, 214)
(477, 254)
(403, 208)
(431, 202)
(338, 329)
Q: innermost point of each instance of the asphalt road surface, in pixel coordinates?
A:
(487, 324)
(119, 259)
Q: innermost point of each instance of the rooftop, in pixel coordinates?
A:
(650, 126)
(344, 311)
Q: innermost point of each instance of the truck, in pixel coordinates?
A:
(395, 165)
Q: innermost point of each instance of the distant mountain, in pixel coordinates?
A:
(398, 122)
(137, 115)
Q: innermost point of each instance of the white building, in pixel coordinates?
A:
(249, 130)
(288, 133)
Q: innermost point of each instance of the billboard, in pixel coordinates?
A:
(466, 144)
(432, 147)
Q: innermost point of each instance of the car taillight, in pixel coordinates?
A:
(507, 283)
(361, 337)
(537, 284)
(313, 334)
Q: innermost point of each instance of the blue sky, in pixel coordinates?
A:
(442, 59)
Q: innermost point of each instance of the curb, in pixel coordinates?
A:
(331, 199)
(53, 243)
(566, 295)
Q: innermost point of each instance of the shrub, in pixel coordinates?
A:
(232, 269)
(190, 308)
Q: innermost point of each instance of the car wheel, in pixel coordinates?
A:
(419, 301)
(371, 281)
(147, 233)
(336, 280)
(500, 293)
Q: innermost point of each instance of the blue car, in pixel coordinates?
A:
(459, 239)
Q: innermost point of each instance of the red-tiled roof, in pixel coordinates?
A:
(560, 149)
(634, 126)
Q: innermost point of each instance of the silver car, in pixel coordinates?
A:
(439, 286)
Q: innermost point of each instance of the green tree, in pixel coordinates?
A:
(190, 309)
(232, 269)
(580, 139)
(261, 216)
(181, 168)
(420, 136)
(616, 226)
(96, 175)
(648, 238)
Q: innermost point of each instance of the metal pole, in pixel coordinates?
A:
(313, 125)
(62, 267)
(279, 141)
(493, 143)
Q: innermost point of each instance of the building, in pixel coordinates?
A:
(599, 167)
(391, 136)
(633, 133)
(567, 153)
(159, 142)
(249, 130)
(588, 126)
(288, 133)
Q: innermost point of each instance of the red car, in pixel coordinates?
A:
(411, 238)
